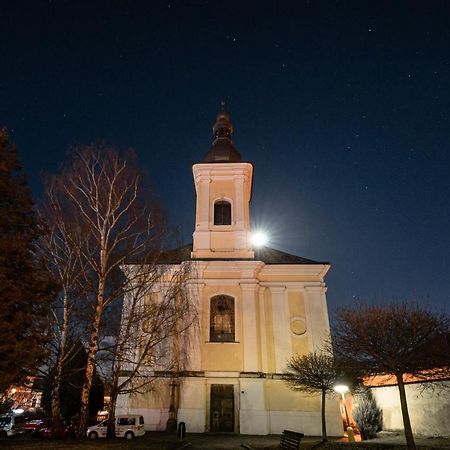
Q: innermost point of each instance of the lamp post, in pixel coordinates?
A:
(342, 389)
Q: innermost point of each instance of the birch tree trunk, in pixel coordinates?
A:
(60, 249)
(55, 395)
(90, 365)
(111, 432)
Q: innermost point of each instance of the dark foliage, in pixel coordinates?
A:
(395, 339)
(312, 373)
(26, 286)
(72, 383)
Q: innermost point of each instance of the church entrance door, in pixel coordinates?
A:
(222, 408)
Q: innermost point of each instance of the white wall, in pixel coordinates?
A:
(306, 422)
(192, 408)
(428, 406)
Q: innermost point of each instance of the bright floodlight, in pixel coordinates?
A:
(341, 388)
(259, 238)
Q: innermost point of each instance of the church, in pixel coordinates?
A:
(256, 308)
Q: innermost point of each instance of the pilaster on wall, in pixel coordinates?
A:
(263, 333)
(203, 203)
(240, 206)
(194, 332)
(249, 327)
(281, 331)
(317, 312)
(193, 404)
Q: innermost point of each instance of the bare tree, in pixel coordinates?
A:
(399, 340)
(60, 247)
(313, 373)
(156, 315)
(105, 201)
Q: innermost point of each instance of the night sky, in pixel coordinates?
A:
(343, 108)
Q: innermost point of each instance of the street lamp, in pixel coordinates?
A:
(343, 389)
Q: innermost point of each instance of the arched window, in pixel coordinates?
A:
(222, 319)
(222, 213)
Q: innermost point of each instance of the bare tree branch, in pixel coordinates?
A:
(108, 217)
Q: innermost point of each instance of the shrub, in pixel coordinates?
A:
(368, 416)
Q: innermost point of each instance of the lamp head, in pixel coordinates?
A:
(341, 388)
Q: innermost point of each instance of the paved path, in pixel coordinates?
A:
(234, 442)
(229, 441)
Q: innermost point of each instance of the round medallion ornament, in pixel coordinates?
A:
(298, 326)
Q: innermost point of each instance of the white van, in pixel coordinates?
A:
(127, 426)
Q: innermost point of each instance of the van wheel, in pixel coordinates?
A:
(93, 435)
(3, 434)
(129, 435)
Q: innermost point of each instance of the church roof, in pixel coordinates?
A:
(265, 254)
(222, 149)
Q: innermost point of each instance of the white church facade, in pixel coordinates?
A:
(256, 308)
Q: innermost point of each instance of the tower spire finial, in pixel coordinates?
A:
(222, 149)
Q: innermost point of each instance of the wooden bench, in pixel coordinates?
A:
(290, 440)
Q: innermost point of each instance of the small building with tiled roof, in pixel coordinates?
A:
(256, 308)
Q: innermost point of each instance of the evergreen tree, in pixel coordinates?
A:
(367, 414)
(26, 287)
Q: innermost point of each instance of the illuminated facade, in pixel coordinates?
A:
(256, 307)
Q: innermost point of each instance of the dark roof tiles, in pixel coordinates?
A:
(265, 254)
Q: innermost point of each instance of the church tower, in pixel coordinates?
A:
(223, 184)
